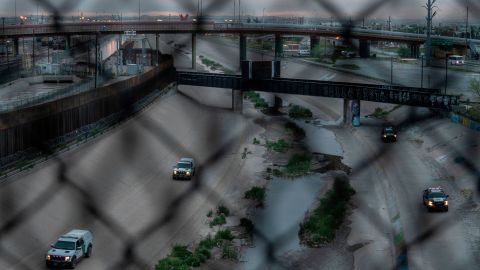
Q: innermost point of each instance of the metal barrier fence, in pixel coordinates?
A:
(13, 221)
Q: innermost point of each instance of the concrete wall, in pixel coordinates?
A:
(31, 127)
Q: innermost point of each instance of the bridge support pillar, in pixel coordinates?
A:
(346, 111)
(414, 50)
(351, 112)
(194, 51)
(314, 42)
(67, 43)
(16, 47)
(364, 48)
(243, 49)
(278, 47)
(237, 100)
(157, 49)
(277, 103)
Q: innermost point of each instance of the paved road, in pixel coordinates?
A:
(126, 175)
(395, 177)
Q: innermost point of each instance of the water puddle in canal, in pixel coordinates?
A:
(320, 140)
(286, 203)
(278, 223)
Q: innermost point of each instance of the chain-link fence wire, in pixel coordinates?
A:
(131, 242)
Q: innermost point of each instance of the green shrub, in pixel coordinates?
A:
(224, 235)
(207, 243)
(171, 263)
(218, 220)
(223, 210)
(229, 253)
(328, 216)
(210, 213)
(298, 112)
(299, 163)
(255, 141)
(256, 193)
(180, 251)
(280, 146)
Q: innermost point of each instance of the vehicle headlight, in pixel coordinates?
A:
(430, 203)
(384, 136)
(48, 258)
(395, 135)
(188, 173)
(67, 258)
(445, 203)
(174, 172)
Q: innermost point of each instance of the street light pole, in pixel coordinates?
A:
(446, 72)
(421, 81)
(466, 33)
(391, 70)
(263, 16)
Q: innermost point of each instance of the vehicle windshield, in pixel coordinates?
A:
(436, 195)
(184, 165)
(456, 57)
(388, 130)
(65, 245)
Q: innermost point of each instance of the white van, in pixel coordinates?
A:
(456, 60)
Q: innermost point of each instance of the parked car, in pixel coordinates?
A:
(185, 169)
(70, 248)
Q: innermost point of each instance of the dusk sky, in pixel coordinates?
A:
(399, 9)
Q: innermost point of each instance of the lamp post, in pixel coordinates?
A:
(446, 73)
(391, 70)
(263, 16)
(421, 81)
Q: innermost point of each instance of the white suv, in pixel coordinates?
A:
(185, 169)
(70, 248)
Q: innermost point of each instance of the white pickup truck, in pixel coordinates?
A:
(70, 248)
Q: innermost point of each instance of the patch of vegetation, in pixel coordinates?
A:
(224, 235)
(403, 52)
(474, 85)
(321, 226)
(280, 146)
(299, 112)
(256, 99)
(381, 114)
(181, 259)
(223, 210)
(299, 164)
(295, 130)
(245, 153)
(210, 213)
(218, 220)
(348, 66)
(256, 194)
(256, 141)
(229, 252)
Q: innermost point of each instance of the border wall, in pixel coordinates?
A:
(31, 127)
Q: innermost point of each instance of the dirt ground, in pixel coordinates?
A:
(336, 255)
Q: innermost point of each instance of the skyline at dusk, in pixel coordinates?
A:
(406, 9)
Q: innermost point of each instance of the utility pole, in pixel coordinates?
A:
(15, 11)
(389, 23)
(239, 11)
(138, 10)
(466, 33)
(234, 10)
(430, 14)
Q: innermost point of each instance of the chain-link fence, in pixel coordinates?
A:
(15, 218)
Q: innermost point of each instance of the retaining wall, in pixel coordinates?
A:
(30, 127)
